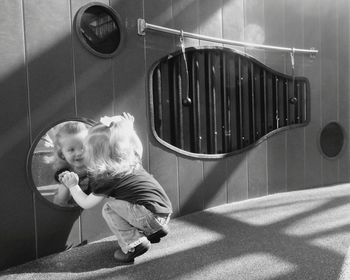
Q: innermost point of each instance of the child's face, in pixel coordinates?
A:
(73, 150)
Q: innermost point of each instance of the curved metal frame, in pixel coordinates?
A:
(221, 155)
(113, 14)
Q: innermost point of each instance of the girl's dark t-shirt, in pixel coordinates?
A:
(139, 187)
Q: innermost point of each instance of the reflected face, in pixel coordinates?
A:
(73, 150)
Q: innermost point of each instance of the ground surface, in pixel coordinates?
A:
(298, 235)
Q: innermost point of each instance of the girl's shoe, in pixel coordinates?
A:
(155, 237)
(141, 248)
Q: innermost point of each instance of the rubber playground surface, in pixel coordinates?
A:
(296, 235)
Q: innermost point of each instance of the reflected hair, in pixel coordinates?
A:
(110, 150)
(60, 131)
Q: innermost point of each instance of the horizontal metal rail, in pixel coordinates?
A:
(142, 26)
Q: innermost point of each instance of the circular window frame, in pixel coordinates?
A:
(30, 158)
(116, 17)
(343, 144)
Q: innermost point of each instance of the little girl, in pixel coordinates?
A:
(69, 155)
(139, 210)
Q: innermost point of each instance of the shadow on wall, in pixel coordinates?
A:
(54, 85)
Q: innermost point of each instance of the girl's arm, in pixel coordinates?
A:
(62, 196)
(70, 180)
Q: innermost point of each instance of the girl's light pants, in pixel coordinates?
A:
(131, 222)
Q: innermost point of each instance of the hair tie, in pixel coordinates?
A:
(108, 121)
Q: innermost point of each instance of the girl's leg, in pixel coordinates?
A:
(130, 222)
(118, 215)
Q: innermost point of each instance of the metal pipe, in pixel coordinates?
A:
(143, 26)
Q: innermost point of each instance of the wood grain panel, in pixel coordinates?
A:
(214, 183)
(162, 164)
(295, 137)
(94, 226)
(257, 170)
(343, 63)
(254, 32)
(276, 145)
(95, 90)
(130, 85)
(253, 27)
(56, 228)
(312, 70)
(276, 164)
(191, 187)
(50, 62)
(237, 178)
(161, 167)
(210, 19)
(185, 17)
(93, 76)
(17, 242)
(329, 76)
(51, 95)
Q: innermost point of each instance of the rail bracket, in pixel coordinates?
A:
(141, 26)
(313, 54)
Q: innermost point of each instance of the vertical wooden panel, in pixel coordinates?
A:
(168, 178)
(93, 80)
(329, 77)
(276, 145)
(51, 94)
(257, 159)
(237, 178)
(17, 242)
(50, 63)
(191, 185)
(276, 164)
(94, 84)
(343, 9)
(233, 24)
(162, 164)
(312, 70)
(210, 19)
(215, 185)
(185, 18)
(130, 82)
(295, 137)
(257, 170)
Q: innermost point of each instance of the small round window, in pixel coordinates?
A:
(332, 140)
(98, 27)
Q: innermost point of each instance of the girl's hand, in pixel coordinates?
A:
(128, 117)
(69, 179)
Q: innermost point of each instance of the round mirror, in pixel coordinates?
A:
(332, 139)
(57, 149)
(98, 27)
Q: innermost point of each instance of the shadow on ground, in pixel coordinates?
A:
(299, 235)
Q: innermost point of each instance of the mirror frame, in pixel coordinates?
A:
(116, 17)
(30, 158)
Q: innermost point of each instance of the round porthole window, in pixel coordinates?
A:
(332, 139)
(98, 27)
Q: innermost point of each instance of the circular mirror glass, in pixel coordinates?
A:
(57, 149)
(99, 29)
(332, 139)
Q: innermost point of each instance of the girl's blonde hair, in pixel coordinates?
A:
(67, 128)
(110, 150)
